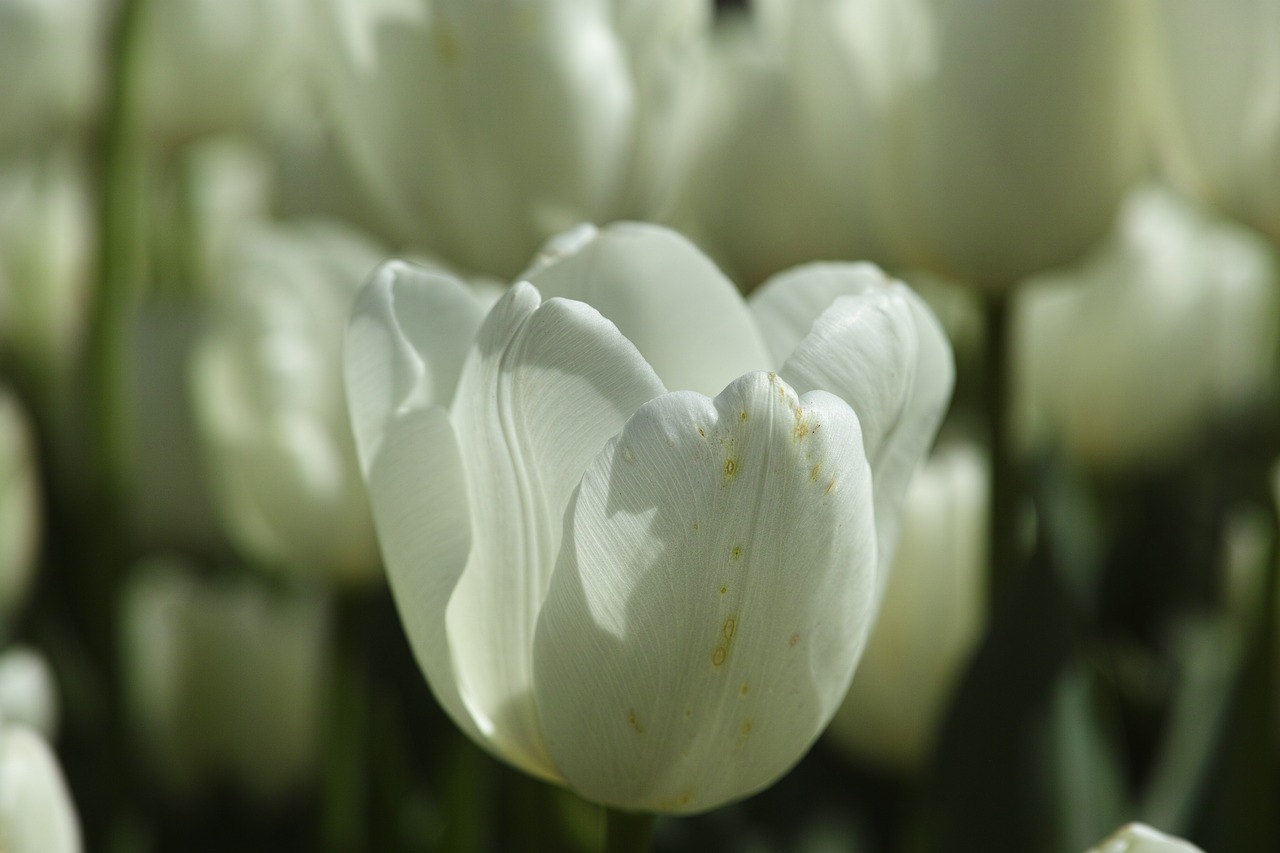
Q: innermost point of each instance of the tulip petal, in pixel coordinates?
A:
(545, 387)
(417, 490)
(787, 305)
(684, 316)
(884, 353)
(711, 597)
(410, 332)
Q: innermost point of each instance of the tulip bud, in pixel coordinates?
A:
(269, 403)
(28, 695)
(225, 679)
(1172, 322)
(932, 617)
(36, 811)
(1140, 838)
(1218, 90)
(19, 505)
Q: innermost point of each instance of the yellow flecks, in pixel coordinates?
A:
(730, 627)
(628, 455)
(730, 468)
(724, 590)
(696, 526)
(702, 432)
(446, 44)
(634, 722)
(830, 486)
(742, 416)
(744, 689)
(795, 638)
(745, 731)
(736, 553)
(679, 801)
(801, 429)
(727, 631)
(814, 472)
(719, 655)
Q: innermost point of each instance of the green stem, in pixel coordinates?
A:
(626, 832)
(119, 261)
(1005, 486)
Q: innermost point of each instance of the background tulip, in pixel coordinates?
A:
(590, 492)
(273, 420)
(1139, 838)
(20, 515)
(431, 98)
(1217, 73)
(28, 695)
(36, 811)
(1171, 323)
(933, 614)
(225, 679)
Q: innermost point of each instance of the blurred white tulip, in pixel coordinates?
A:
(36, 811)
(655, 598)
(1218, 96)
(267, 385)
(209, 65)
(28, 693)
(483, 128)
(46, 252)
(982, 142)
(1140, 838)
(1170, 323)
(20, 515)
(50, 58)
(225, 679)
(933, 614)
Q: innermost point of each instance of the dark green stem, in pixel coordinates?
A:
(626, 832)
(119, 261)
(1006, 492)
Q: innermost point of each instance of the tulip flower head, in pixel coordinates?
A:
(36, 811)
(656, 597)
(1140, 838)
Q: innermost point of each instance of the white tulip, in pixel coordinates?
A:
(28, 693)
(267, 382)
(983, 141)
(1140, 838)
(483, 128)
(36, 811)
(50, 55)
(46, 253)
(933, 614)
(656, 598)
(210, 65)
(1218, 72)
(19, 504)
(1169, 324)
(224, 678)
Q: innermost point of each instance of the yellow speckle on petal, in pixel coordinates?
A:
(736, 553)
(724, 590)
(634, 722)
(730, 468)
(628, 455)
(814, 472)
(744, 689)
(719, 655)
(830, 487)
(795, 638)
(730, 627)
(702, 432)
(742, 416)
(744, 732)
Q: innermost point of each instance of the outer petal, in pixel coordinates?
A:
(668, 299)
(711, 599)
(411, 330)
(545, 387)
(36, 812)
(884, 353)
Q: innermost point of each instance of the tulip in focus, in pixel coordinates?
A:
(1140, 838)
(267, 382)
(933, 614)
(36, 811)
(655, 597)
(1218, 127)
(1171, 323)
